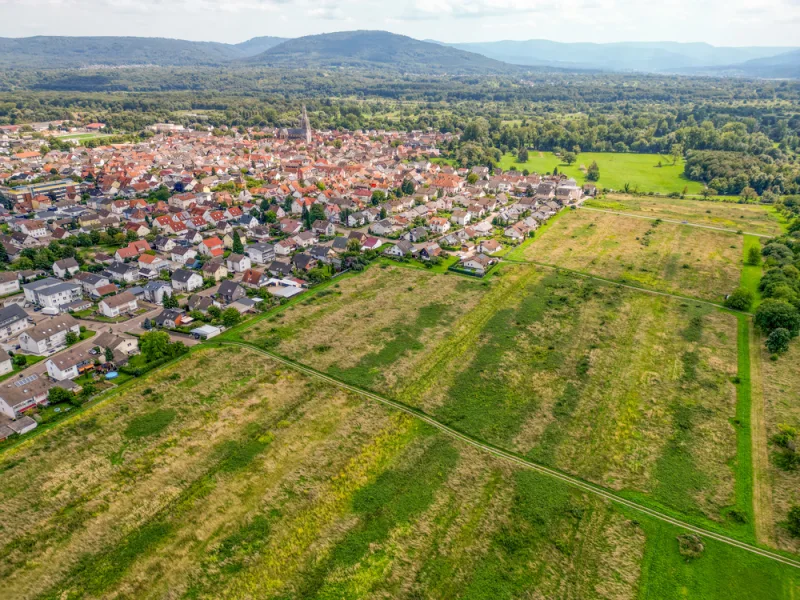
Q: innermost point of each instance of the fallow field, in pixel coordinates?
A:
(227, 475)
(678, 259)
(751, 218)
(780, 381)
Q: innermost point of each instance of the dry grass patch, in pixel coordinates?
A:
(372, 330)
(672, 258)
(752, 218)
(781, 391)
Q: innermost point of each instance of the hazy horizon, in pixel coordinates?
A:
(732, 23)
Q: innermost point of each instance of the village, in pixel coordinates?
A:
(190, 233)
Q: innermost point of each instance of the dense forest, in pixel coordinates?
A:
(737, 135)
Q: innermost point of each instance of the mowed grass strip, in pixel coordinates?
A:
(752, 218)
(665, 257)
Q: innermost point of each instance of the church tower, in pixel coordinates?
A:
(305, 125)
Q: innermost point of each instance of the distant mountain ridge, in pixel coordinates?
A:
(377, 49)
(49, 52)
(382, 50)
(652, 57)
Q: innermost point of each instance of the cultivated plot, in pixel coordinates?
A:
(672, 258)
(751, 218)
(228, 476)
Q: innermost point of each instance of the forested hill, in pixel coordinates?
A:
(377, 49)
(51, 52)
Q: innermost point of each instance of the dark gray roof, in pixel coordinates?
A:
(12, 314)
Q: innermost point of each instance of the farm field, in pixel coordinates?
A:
(637, 170)
(677, 259)
(227, 476)
(609, 384)
(372, 330)
(781, 389)
(751, 218)
(602, 382)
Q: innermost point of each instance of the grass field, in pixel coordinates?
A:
(751, 218)
(672, 258)
(226, 476)
(781, 391)
(609, 384)
(372, 330)
(637, 170)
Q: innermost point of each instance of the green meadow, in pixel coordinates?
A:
(639, 171)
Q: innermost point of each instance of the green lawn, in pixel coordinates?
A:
(638, 170)
(751, 274)
(32, 360)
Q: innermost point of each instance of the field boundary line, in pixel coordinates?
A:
(676, 222)
(624, 285)
(511, 457)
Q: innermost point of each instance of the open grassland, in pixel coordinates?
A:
(371, 330)
(678, 259)
(781, 396)
(639, 171)
(629, 390)
(751, 218)
(227, 476)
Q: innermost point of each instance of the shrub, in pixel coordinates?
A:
(777, 314)
(778, 341)
(740, 299)
(690, 546)
(793, 523)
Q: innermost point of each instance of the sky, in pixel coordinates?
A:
(718, 22)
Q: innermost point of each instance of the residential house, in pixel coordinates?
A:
(122, 272)
(169, 318)
(261, 254)
(238, 263)
(214, 269)
(121, 346)
(90, 282)
(13, 321)
(230, 291)
(65, 268)
(154, 291)
(186, 281)
(51, 293)
(401, 249)
(479, 264)
(439, 224)
(70, 364)
(50, 335)
(114, 306)
(253, 278)
(6, 365)
(9, 283)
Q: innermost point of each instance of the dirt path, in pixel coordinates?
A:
(762, 489)
(575, 482)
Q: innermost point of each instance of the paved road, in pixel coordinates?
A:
(508, 456)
